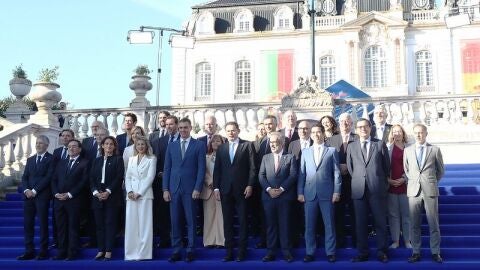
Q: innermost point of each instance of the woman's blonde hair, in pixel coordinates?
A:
(147, 142)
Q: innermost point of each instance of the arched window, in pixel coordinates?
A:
(375, 67)
(327, 71)
(203, 81)
(424, 68)
(244, 21)
(205, 24)
(242, 78)
(283, 19)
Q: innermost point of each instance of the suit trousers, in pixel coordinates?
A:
(106, 219)
(139, 230)
(31, 208)
(182, 207)
(213, 222)
(67, 214)
(277, 217)
(312, 210)
(230, 203)
(398, 217)
(378, 208)
(431, 210)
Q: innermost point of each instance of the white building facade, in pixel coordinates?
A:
(253, 51)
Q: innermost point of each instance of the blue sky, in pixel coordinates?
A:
(87, 39)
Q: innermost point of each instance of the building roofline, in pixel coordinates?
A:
(213, 4)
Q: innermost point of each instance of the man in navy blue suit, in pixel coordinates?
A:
(69, 179)
(125, 139)
(36, 188)
(161, 210)
(183, 176)
(90, 144)
(278, 175)
(319, 187)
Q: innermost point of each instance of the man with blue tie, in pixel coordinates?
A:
(368, 163)
(278, 175)
(319, 187)
(423, 165)
(183, 175)
(36, 188)
(69, 179)
(161, 208)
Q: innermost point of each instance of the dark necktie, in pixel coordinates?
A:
(39, 158)
(364, 150)
(171, 139)
(64, 153)
(184, 142)
(69, 166)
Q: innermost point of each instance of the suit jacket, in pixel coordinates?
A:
(187, 174)
(159, 147)
(296, 149)
(90, 148)
(38, 176)
(122, 142)
(294, 134)
(373, 132)
(57, 154)
(284, 177)
(427, 175)
(234, 177)
(265, 149)
(139, 177)
(114, 172)
(319, 181)
(337, 142)
(156, 135)
(72, 181)
(372, 172)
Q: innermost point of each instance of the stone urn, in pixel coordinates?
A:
(45, 95)
(140, 85)
(20, 87)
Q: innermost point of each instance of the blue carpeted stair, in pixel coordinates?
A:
(459, 222)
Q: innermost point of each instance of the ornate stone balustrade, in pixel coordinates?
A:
(329, 22)
(422, 16)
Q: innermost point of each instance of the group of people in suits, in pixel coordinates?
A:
(299, 174)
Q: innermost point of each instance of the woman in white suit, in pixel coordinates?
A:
(138, 219)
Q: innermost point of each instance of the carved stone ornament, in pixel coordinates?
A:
(351, 6)
(373, 33)
(308, 95)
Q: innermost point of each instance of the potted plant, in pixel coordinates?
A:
(140, 85)
(20, 86)
(45, 94)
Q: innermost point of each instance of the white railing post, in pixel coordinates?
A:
(84, 132)
(114, 124)
(151, 122)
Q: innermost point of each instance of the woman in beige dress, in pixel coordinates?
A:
(212, 209)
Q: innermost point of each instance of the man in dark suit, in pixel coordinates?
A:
(161, 208)
(319, 187)
(298, 216)
(380, 129)
(278, 174)
(423, 165)
(290, 130)
(125, 139)
(345, 205)
(183, 175)
(368, 163)
(233, 180)
(161, 128)
(36, 188)
(210, 129)
(90, 144)
(70, 178)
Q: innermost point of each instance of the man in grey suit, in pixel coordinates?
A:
(278, 176)
(423, 165)
(368, 163)
(319, 186)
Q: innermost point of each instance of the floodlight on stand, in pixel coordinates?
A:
(457, 20)
(140, 37)
(181, 41)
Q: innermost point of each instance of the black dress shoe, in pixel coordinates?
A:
(229, 256)
(414, 258)
(59, 258)
(70, 258)
(268, 258)
(99, 257)
(54, 245)
(241, 256)
(359, 258)
(260, 244)
(189, 257)
(26, 256)
(174, 258)
(382, 258)
(308, 258)
(331, 258)
(42, 256)
(288, 258)
(436, 258)
(87, 245)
